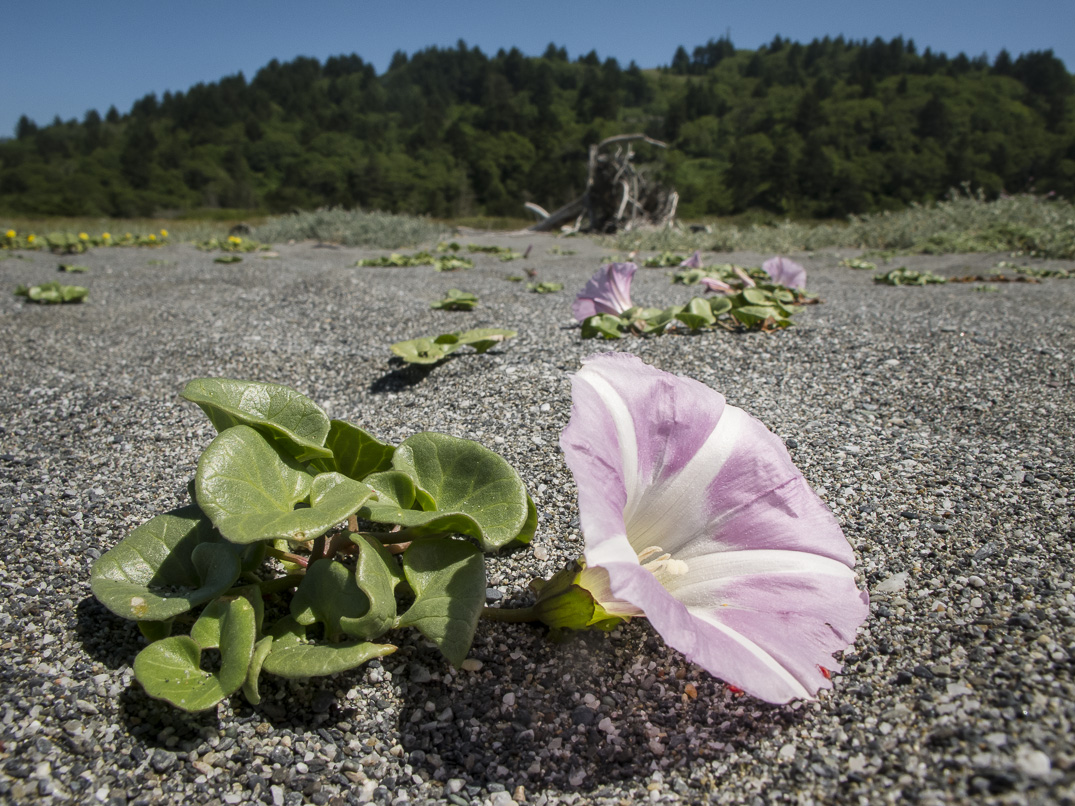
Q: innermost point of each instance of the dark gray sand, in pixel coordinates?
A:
(936, 422)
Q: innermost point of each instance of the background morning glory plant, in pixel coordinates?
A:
(742, 302)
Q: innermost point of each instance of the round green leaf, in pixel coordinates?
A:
(250, 491)
(377, 574)
(603, 324)
(448, 580)
(328, 593)
(720, 305)
(278, 411)
(168, 565)
(170, 669)
(293, 656)
(485, 338)
(423, 350)
(464, 478)
(355, 453)
(756, 296)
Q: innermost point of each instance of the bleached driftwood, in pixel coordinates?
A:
(618, 196)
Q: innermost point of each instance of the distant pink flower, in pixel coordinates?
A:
(693, 262)
(748, 281)
(695, 517)
(786, 272)
(608, 291)
(713, 284)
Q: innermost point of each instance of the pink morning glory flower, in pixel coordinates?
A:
(695, 517)
(786, 272)
(693, 262)
(608, 291)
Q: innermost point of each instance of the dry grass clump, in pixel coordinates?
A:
(350, 228)
(964, 222)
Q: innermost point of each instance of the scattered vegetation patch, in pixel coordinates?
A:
(544, 287)
(233, 243)
(52, 293)
(905, 276)
(432, 351)
(457, 301)
(858, 263)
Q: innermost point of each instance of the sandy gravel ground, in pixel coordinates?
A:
(936, 422)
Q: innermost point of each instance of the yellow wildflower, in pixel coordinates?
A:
(152, 237)
(31, 238)
(234, 239)
(164, 233)
(11, 234)
(82, 236)
(105, 236)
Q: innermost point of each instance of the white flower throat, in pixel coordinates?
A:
(659, 563)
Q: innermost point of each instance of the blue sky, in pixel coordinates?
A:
(63, 58)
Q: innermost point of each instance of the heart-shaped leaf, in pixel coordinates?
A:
(423, 350)
(603, 324)
(277, 411)
(250, 490)
(378, 574)
(756, 296)
(327, 593)
(168, 565)
(478, 492)
(697, 314)
(293, 656)
(448, 580)
(170, 669)
(751, 315)
(485, 338)
(720, 305)
(355, 453)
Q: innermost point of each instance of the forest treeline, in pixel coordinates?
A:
(824, 129)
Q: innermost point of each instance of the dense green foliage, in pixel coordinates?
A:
(825, 129)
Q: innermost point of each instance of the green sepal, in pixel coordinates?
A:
(279, 412)
(564, 603)
(448, 580)
(167, 566)
(293, 656)
(170, 669)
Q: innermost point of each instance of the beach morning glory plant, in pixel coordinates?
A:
(695, 517)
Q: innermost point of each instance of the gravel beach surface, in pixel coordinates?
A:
(937, 422)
